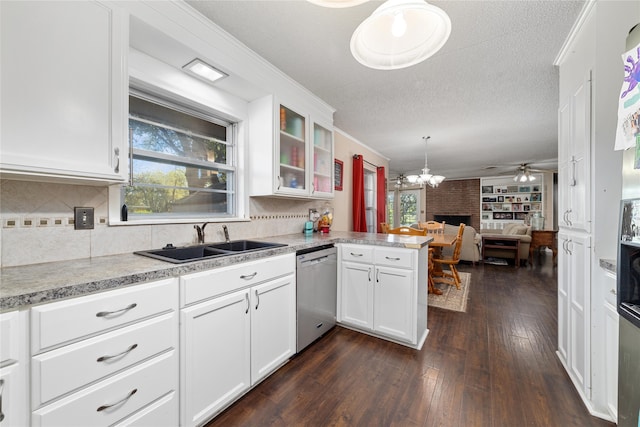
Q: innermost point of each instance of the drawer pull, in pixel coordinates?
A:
(248, 276)
(1, 390)
(121, 401)
(109, 313)
(352, 254)
(392, 258)
(107, 358)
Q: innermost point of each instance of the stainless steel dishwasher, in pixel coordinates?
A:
(317, 277)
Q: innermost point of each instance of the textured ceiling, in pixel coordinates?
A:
(489, 97)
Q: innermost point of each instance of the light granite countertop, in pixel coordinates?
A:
(609, 265)
(38, 283)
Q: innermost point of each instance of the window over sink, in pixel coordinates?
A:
(182, 162)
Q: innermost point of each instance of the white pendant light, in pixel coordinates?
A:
(337, 3)
(400, 33)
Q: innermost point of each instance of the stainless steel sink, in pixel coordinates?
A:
(183, 254)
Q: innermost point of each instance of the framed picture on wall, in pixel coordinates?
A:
(337, 174)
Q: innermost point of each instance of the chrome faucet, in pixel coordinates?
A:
(226, 233)
(200, 231)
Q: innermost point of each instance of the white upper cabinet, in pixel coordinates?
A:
(64, 90)
(290, 151)
(574, 122)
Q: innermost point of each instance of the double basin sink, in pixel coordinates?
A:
(179, 255)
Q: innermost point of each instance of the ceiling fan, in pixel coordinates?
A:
(523, 172)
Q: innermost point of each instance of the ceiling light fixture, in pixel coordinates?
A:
(337, 3)
(204, 71)
(425, 177)
(524, 175)
(400, 33)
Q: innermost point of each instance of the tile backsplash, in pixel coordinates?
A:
(37, 224)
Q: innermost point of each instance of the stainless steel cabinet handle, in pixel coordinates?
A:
(248, 276)
(572, 181)
(377, 276)
(116, 152)
(248, 303)
(127, 351)
(569, 250)
(257, 299)
(354, 254)
(1, 391)
(613, 291)
(369, 273)
(124, 399)
(109, 313)
(392, 258)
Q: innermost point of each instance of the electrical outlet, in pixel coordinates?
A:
(83, 218)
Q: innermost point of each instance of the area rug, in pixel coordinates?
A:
(452, 298)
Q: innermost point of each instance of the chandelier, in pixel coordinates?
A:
(425, 177)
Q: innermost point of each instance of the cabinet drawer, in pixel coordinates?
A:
(125, 393)
(9, 333)
(401, 258)
(66, 321)
(208, 284)
(162, 413)
(357, 253)
(98, 357)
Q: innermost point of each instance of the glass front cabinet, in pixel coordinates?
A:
(301, 147)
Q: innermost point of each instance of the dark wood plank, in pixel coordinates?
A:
(494, 365)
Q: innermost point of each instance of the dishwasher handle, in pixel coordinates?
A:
(314, 261)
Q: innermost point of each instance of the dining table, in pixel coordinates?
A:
(439, 241)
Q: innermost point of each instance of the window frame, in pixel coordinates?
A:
(182, 103)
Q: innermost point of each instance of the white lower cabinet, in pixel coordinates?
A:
(236, 334)
(13, 369)
(611, 359)
(119, 369)
(383, 291)
(574, 284)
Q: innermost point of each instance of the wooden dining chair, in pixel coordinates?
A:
(453, 261)
(384, 227)
(433, 227)
(407, 231)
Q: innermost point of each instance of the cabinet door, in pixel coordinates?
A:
(611, 359)
(64, 90)
(321, 162)
(356, 294)
(563, 298)
(394, 303)
(13, 396)
(215, 355)
(579, 308)
(273, 326)
(292, 153)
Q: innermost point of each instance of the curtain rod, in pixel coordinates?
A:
(355, 156)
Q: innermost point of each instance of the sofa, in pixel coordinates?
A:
(519, 231)
(470, 250)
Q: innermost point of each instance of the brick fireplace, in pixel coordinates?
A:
(457, 199)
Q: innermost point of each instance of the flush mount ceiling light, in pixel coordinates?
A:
(337, 3)
(204, 71)
(425, 177)
(400, 33)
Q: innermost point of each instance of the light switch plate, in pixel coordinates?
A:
(83, 218)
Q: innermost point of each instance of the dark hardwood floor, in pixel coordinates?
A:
(494, 365)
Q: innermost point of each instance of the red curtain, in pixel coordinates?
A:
(359, 216)
(381, 197)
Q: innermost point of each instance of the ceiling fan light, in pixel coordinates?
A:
(375, 43)
(412, 178)
(337, 3)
